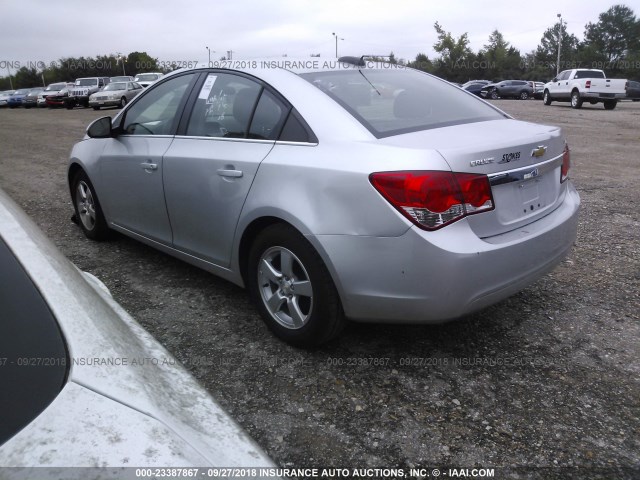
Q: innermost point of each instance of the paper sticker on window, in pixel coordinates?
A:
(208, 85)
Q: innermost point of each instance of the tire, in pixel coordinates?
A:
(88, 211)
(524, 95)
(96, 108)
(493, 94)
(576, 101)
(307, 317)
(610, 104)
(546, 98)
(123, 102)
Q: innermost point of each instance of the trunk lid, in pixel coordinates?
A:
(523, 162)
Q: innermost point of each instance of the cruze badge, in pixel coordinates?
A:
(532, 174)
(482, 161)
(539, 152)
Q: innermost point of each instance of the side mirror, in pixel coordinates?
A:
(555, 79)
(100, 128)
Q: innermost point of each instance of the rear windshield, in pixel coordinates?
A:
(400, 100)
(588, 74)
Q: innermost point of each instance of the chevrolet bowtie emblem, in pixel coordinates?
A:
(539, 152)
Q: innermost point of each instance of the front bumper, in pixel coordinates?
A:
(55, 101)
(432, 277)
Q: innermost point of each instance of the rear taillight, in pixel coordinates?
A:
(587, 84)
(433, 199)
(566, 163)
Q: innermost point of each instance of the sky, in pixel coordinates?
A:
(35, 31)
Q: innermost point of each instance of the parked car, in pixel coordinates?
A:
(115, 94)
(474, 87)
(538, 90)
(4, 97)
(484, 82)
(327, 200)
(15, 100)
(146, 79)
(53, 96)
(82, 90)
(508, 89)
(31, 99)
(123, 78)
(585, 84)
(84, 385)
(632, 90)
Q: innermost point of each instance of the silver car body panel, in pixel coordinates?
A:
(127, 401)
(370, 249)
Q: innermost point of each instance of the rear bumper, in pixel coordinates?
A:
(603, 96)
(432, 277)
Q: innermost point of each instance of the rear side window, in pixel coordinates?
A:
(268, 118)
(400, 100)
(224, 106)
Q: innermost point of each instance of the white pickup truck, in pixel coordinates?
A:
(584, 85)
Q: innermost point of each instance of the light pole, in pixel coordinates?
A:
(209, 50)
(335, 35)
(559, 42)
(123, 59)
(9, 72)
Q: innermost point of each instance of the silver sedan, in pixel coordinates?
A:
(332, 192)
(116, 94)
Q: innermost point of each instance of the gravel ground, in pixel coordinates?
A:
(543, 385)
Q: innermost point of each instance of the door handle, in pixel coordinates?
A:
(223, 172)
(149, 166)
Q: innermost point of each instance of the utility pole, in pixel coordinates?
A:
(559, 42)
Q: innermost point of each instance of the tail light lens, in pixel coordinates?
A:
(433, 199)
(587, 84)
(566, 163)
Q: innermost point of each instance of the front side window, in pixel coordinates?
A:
(400, 100)
(155, 113)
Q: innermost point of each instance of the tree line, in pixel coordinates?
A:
(612, 44)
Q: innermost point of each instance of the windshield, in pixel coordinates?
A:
(22, 91)
(400, 100)
(147, 77)
(86, 82)
(116, 86)
(55, 87)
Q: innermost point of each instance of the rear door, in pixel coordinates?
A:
(210, 166)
